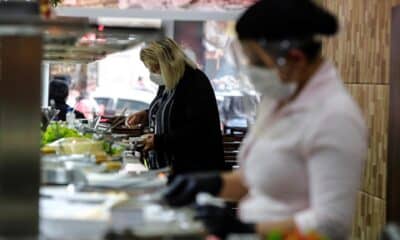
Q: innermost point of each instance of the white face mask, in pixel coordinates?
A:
(267, 83)
(157, 79)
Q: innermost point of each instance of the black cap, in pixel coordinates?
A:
(285, 19)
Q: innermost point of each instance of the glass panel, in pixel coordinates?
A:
(109, 85)
(131, 106)
(212, 45)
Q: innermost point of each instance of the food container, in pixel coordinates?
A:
(66, 169)
(77, 146)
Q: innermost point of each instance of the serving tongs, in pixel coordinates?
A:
(48, 115)
(117, 121)
(115, 124)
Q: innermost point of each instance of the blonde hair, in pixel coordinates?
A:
(167, 54)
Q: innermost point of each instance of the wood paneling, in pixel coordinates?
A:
(395, 2)
(361, 50)
(369, 217)
(373, 100)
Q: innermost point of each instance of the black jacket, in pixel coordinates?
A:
(192, 140)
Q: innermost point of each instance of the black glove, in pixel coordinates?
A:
(222, 221)
(184, 188)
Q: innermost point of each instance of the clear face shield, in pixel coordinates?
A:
(260, 64)
(258, 75)
(239, 105)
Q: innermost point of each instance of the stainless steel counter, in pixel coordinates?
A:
(126, 200)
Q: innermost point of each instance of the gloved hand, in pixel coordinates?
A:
(184, 188)
(222, 221)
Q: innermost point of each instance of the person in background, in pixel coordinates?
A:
(187, 127)
(87, 105)
(300, 164)
(58, 94)
(64, 78)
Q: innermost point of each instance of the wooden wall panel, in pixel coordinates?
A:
(361, 50)
(395, 2)
(369, 219)
(374, 102)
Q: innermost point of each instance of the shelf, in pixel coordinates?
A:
(36, 21)
(60, 26)
(178, 15)
(62, 35)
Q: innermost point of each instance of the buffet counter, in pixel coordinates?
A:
(127, 202)
(97, 184)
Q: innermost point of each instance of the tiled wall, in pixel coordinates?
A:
(374, 101)
(371, 216)
(362, 54)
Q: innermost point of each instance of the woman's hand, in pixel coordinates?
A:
(148, 142)
(136, 118)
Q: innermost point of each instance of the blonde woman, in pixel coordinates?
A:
(187, 135)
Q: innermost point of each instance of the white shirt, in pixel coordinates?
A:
(305, 161)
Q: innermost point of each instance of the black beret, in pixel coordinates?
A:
(285, 19)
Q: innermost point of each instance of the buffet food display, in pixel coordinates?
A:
(90, 173)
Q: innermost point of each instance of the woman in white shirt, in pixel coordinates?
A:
(301, 162)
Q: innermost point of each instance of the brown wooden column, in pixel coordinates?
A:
(20, 65)
(393, 181)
